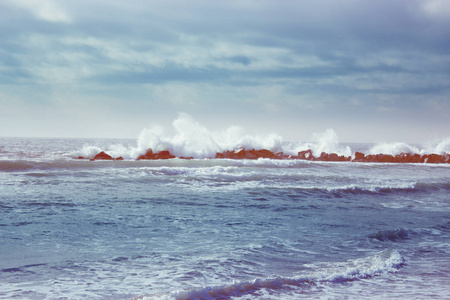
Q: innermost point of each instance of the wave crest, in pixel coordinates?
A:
(384, 262)
(191, 139)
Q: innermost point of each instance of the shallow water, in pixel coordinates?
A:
(217, 229)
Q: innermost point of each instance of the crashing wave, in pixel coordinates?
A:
(387, 261)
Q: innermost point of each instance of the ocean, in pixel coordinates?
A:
(208, 228)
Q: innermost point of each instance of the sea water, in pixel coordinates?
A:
(218, 228)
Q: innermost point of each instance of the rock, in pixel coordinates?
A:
(164, 155)
(359, 156)
(434, 159)
(103, 155)
(280, 155)
(307, 154)
(264, 153)
(160, 155)
(385, 158)
(148, 155)
(447, 158)
(239, 154)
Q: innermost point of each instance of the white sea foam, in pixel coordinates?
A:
(191, 139)
(394, 149)
(387, 261)
(439, 147)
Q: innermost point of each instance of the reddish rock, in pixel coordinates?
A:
(434, 159)
(264, 153)
(332, 157)
(280, 155)
(359, 156)
(164, 155)
(307, 154)
(415, 158)
(407, 158)
(385, 158)
(119, 158)
(239, 154)
(371, 158)
(249, 154)
(80, 157)
(403, 158)
(103, 155)
(160, 155)
(447, 158)
(148, 155)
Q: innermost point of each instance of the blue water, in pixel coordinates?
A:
(218, 229)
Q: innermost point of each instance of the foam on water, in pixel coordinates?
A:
(191, 139)
(387, 261)
(439, 147)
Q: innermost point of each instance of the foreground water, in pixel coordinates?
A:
(218, 229)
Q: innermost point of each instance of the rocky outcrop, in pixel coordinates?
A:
(249, 154)
(302, 155)
(160, 155)
(103, 156)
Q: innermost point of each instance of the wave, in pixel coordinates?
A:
(440, 147)
(191, 139)
(387, 261)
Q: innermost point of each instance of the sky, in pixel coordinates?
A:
(373, 71)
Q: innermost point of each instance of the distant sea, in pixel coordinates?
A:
(218, 228)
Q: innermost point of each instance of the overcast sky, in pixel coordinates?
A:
(374, 71)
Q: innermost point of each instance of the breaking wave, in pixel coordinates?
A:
(440, 147)
(387, 261)
(191, 139)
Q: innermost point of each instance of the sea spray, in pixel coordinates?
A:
(394, 149)
(439, 147)
(191, 139)
(328, 142)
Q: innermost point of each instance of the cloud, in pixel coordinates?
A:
(300, 60)
(48, 10)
